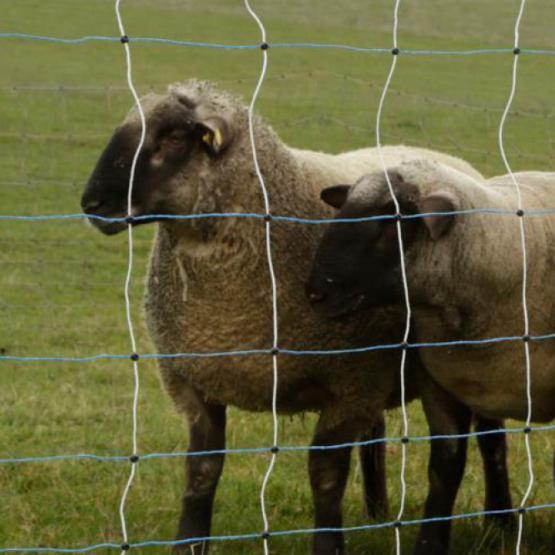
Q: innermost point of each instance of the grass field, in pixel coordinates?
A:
(61, 284)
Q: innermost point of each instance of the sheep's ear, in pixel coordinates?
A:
(336, 195)
(215, 133)
(440, 201)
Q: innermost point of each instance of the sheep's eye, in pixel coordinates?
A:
(176, 137)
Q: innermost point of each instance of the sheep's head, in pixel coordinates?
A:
(183, 136)
(357, 265)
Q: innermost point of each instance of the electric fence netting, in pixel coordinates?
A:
(24, 179)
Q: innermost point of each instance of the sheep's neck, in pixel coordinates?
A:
(214, 249)
(231, 258)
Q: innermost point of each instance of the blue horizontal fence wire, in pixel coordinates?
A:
(293, 352)
(262, 450)
(277, 218)
(86, 549)
(276, 533)
(292, 45)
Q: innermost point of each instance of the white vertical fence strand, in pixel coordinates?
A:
(128, 276)
(403, 275)
(524, 276)
(271, 270)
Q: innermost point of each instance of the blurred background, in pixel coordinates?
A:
(61, 283)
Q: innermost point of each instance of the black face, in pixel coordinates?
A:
(173, 136)
(357, 265)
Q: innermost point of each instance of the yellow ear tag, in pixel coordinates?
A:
(218, 140)
(206, 138)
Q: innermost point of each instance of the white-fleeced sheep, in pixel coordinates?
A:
(465, 274)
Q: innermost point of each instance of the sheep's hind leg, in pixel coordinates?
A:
(372, 463)
(493, 448)
(329, 470)
(445, 415)
(207, 433)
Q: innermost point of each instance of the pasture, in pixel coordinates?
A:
(61, 283)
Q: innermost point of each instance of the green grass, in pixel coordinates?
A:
(61, 284)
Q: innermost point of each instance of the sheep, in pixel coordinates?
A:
(465, 281)
(208, 287)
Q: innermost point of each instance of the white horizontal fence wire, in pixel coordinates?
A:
(268, 219)
(525, 313)
(134, 358)
(268, 232)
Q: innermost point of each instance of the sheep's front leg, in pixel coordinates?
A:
(372, 463)
(493, 448)
(329, 470)
(207, 433)
(445, 415)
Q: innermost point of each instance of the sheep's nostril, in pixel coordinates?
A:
(92, 206)
(316, 297)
